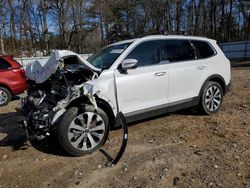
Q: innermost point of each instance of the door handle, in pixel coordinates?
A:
(160, 73)
(201, 67)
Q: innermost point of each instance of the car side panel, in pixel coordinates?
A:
(219, 64)
(13, 81)
(142, 88)
(7, 78)
(105, 89)
(183, 76)
(186, 79)
(14, 77)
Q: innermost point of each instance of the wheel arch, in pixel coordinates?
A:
(108, 109)
(216, 78)
(7, 87)
(104, 105)
(77, 101)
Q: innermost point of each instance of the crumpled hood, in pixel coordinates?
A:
(40, 71)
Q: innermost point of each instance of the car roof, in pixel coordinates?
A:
(124, 41)
(155, 37)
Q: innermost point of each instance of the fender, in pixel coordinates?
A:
(108, 109)
(214, 77)
(108, 101)
(6, 86)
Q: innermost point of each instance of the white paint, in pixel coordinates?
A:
(154, 85)
(185, 79)
(140, 89)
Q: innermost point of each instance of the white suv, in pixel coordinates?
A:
(141, 78)
(157, 74)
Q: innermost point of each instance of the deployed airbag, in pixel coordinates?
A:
(40, 71)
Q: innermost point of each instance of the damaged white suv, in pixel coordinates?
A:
(142, 77)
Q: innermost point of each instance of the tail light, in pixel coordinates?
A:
(19, 70)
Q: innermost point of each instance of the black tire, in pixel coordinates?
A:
(72, 119)
(5, 96)
(211, 98)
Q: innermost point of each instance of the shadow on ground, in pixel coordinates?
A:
(50, 146)
(15, 98)
(15, 137)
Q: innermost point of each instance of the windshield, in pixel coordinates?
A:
(107, 56)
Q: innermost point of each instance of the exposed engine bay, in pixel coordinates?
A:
(61, 99)
(51, 92)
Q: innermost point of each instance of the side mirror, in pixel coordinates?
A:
(129, 64)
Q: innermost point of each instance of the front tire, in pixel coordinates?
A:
(83, 130)
(212, 97)
(5, 96)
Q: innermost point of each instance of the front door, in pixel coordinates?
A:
(146, 87)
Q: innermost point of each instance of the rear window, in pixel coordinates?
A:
(4, 64)
(176, 50)
(203, 48)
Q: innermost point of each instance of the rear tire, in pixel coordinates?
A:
(212, 97)
(5, 96)
(83, 130)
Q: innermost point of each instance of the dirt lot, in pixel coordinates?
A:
(180, 149)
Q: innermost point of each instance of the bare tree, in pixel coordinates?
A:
(12, 24)
(2, 24)
(81, 25)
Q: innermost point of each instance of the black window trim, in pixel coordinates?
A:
(196, 50)
(187, 39)
(182, 61)
(135, 47)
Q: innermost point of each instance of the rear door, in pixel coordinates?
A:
(186, 72)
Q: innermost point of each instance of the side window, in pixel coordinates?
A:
(203, 48)
(4, 64)
(145, 53)
(176, 50)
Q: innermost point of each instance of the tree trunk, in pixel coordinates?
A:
(229, 22)
(222, 21)
(44, 23)
(12, 26)
(178, 15)
(204, 25)
(1, 41)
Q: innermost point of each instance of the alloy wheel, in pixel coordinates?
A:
(86, 131)
(213, 98)
(3, 97)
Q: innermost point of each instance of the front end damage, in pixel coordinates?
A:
(61, 87)
(53, 86)
(44, 114)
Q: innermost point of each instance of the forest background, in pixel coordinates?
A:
(28, 27)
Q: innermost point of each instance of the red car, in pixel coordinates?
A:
(12, 79)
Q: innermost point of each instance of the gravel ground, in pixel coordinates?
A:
(180, 149)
